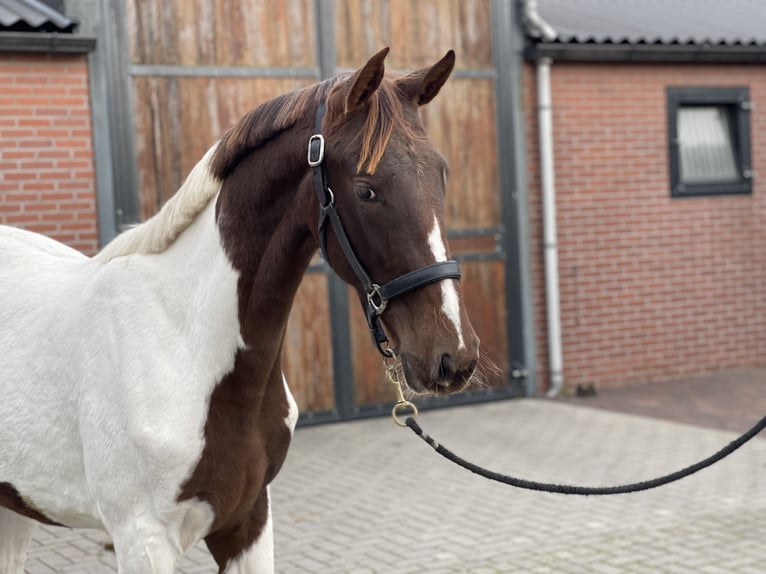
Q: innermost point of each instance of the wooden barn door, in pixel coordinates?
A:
(197, 67)
(461, 122)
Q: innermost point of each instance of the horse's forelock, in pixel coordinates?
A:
(384, 113)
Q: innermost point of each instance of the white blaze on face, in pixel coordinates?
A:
(450, 301)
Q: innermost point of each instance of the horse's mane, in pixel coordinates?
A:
(160, 231)
(254, 130)
(384, 111)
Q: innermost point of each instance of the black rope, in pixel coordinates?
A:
(586, 490)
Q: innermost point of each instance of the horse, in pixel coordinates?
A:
(141, 388)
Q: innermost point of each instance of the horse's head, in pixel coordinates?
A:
(388, 183)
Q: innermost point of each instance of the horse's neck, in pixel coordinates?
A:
(261, 213)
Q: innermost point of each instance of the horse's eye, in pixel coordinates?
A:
(365, 193)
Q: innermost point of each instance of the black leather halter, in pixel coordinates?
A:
(378, 296)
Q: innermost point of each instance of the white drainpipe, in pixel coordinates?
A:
(548, 180)
(538, 27)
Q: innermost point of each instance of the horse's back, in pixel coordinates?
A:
(19, 241)
(40, 281)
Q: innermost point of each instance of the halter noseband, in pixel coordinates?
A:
(378, 296)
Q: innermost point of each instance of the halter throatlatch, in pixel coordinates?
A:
(378, 295)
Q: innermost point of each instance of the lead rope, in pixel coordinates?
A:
(401, 404)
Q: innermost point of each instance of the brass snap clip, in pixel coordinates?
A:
(392, 374)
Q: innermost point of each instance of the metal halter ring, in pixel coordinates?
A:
(403, 405)
(381, 304)
(316, 160)
(331, 202)
(387, 352)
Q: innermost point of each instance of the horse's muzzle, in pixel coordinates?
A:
(443, 375)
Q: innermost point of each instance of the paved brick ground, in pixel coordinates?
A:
(732, 399)
(367, 497)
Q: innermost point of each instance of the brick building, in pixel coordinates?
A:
(658, 141)
(47, 173)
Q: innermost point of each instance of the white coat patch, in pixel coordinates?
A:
(292, 407)
(450, 300)
(123, 337)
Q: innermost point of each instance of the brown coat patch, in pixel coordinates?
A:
(246, 439)
(246, 444)
(11, 499)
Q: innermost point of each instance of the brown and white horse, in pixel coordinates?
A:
(141, 390)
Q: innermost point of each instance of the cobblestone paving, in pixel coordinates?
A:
(369, 498)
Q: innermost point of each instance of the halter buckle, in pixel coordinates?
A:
(378, 305)
(317, 157)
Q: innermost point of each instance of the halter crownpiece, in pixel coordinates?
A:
(378, 296)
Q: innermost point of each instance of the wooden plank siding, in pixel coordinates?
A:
(196, 111)
(307, 350)
(461, 123)
(174, 45)
(417, 30)
(261, 33)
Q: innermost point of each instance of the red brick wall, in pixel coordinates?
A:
(46, 158)
(651, 287)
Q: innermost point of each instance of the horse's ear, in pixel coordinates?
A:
(421, 86)
(364, 82)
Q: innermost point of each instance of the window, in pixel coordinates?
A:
(709, 136)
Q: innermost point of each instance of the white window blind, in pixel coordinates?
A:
(705, 144)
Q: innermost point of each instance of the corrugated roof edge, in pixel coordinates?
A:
(710, 42)
(648, 53)
(35, 16)
(46, 42)
(646, 48)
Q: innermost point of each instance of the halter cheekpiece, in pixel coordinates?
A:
(378, 296)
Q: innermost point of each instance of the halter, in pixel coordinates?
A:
(378, 295)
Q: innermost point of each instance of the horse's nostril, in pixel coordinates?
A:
(446, 367)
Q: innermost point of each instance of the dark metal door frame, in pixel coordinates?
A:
(343, 376)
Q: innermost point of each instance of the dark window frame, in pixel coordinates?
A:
(737, 100)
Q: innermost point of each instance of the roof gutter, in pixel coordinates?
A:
(49, 43)
(654, 53)
(536, 26)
